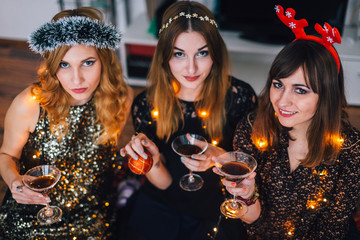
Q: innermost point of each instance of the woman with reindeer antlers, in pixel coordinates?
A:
(308, 174)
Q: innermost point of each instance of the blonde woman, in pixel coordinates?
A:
(190, 92)
(71, 118)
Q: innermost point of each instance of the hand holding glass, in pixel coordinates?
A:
(187, 145)
(235, 166)
(41, 179)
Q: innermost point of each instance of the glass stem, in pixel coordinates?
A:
(191, 177)
(48, 211)
(234, 204)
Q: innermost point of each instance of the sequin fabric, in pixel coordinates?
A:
(306, 203)
(84, 192)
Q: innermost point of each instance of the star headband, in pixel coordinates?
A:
(183, 14)
(329, 35)
(71, 31)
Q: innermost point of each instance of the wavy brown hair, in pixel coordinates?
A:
(111, 96)
(321, 74)
(164, 86)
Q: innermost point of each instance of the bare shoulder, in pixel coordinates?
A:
(20, 120)
(24, 110)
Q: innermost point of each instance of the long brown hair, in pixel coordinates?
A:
(110, 98)
(321, 74)
(164, 86)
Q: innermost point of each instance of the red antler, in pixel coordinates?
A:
(297, 26)
(329, 35)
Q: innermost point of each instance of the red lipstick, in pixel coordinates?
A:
(191, 78)
(78, 90)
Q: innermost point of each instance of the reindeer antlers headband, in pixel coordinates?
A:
(329, 35)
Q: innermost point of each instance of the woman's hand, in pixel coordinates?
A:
(24, 195)
(202, 162)
(244, 188)
(136, 147)
(158, 174)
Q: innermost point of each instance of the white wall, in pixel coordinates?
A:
(18, 18)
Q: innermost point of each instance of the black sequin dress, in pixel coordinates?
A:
(176, 203)
(307, 203)
(84, 192)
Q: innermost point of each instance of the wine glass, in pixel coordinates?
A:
(187, 145)
(41, 179)
(235, 166)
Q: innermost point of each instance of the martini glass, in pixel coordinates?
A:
(187, 145)
(41, 179)
(235, 166)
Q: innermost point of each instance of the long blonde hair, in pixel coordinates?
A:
(111, 96)
(164, 86)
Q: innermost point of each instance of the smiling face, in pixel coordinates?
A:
(190, 63)
(79, 73)
(293, 101)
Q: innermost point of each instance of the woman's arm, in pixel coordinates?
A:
(158, 174)
(140, 110)
(20, 120)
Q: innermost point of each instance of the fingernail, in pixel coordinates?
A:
(182, 159)
(141, 151)
(233, 184)
(244, 189)
(145, 156)
(136, 158)
(193, 156)
(144, 142)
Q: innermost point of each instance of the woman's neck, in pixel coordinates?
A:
(188, 95)
(298, 147)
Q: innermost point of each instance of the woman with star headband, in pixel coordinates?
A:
(190, 92)
(71, 118)
(308, 174)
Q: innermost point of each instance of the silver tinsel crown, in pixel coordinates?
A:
(71, 31)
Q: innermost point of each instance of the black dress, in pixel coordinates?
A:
(174, 213)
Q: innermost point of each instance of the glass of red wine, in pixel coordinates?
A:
(235, 166)
(187, 145)
(40, 179)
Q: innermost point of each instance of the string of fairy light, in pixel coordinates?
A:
(202, 114)
(316, 201)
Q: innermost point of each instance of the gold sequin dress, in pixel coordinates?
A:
(84, 192)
